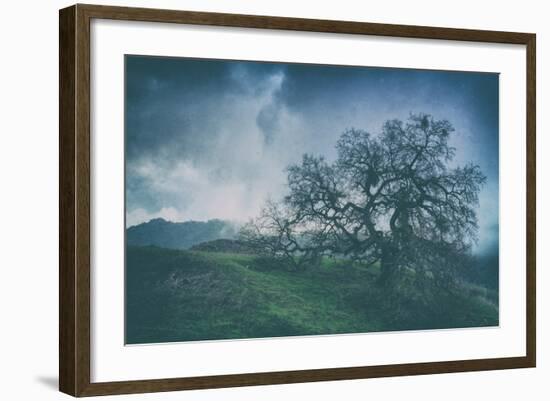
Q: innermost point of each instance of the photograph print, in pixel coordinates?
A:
(269, 199)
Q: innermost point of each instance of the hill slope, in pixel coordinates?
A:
(166, 234)
(223, 245)
(195, 295)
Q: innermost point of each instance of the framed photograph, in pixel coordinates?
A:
(250, 200)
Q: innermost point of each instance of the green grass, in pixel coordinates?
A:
(182, 295)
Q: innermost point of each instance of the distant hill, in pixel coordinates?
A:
(166, 234)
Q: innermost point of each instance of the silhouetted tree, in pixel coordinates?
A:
(391, 199)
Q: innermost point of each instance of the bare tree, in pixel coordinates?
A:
(391, 199)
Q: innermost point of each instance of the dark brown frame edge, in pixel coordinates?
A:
(74, 199)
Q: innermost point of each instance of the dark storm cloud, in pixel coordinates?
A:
(161, 96)
(207, 138)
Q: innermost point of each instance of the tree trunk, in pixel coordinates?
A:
(388, 267)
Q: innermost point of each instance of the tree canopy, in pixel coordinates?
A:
(391, 198)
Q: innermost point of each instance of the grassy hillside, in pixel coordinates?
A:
(177, 295)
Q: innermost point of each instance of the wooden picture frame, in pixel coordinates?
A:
(74, 200)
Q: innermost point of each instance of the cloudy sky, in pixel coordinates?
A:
(211, 139)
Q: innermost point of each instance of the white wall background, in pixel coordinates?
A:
(29, 184)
